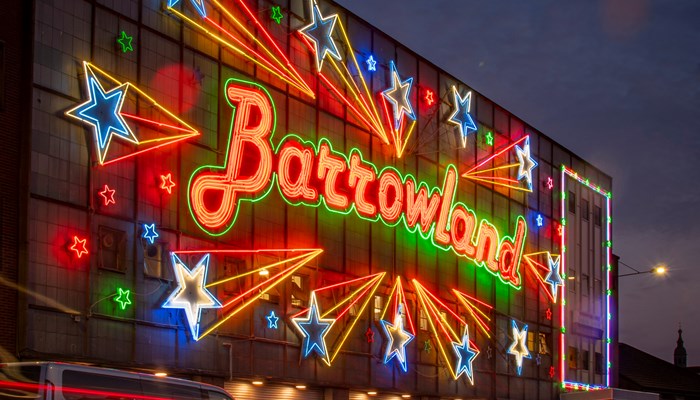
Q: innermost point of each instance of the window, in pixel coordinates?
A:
(231, 267)
(585, 285)
(572, 202)
(585, 212)
(572, 357)
(584, 360)
(299, 294)
(112, 249)
(24, 374)
(571, 281)
(422, 320)
(542, 343)
(531, 341)
(597, 216)
(598, 363)
(101, 386)
(378, 307)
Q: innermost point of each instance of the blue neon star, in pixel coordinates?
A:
(398, 95)
(272, 320)
(554, 278)
(319, 31)
(540, 220)
(191, 294)
(314, 330)
(371, 63)
(149, 232)
(465, 357)
(198, 5)
(102, 111)
(397, 340)
(526, 163)
(460, 115)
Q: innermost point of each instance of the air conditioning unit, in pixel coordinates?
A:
(112, 249)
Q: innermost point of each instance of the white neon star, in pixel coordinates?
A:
(314, 329)
(465, 356)
(554, 278)
(191, 293)
(527, 163)
(398, 94)
(519, 346)
(397, 339)
(320, 32)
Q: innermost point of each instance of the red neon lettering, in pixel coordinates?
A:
(448, 191)
(329, 167)
(510, 253)
(390, 196)
(215, 195)
(462, 230)
(294, 172)
(487, 246)
(418, 206)
(359, 178)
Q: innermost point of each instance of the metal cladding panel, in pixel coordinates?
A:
(246, 391)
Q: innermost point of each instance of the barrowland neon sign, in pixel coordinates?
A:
(312, 174)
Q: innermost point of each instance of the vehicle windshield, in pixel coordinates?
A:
(19, 381)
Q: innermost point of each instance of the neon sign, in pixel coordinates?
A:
(313, 173)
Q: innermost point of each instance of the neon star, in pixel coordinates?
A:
(79, 246)
(108, 195)
(550, 183)
(519, 346)
(149, 232)
(538, 359)
(125, 42)
(489, 138)
(198, 5)
(398, 94)
(319, 31)
(277, 14)
(526, 163)
(103, 112)
(427, 346)
(552, 372)
(272, 320)
(560, 230)
(429, 97)
(397, 339)
(540, 220)
(166, 183)
(191, 293)
(371, 63)
(548, 314)
(460, 115)
(554, 278)
(369, 335)
(314, 330)
(465, 357)
(122, 298)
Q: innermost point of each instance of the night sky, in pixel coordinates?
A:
(618, 83)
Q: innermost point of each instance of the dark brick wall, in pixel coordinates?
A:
(15, 110)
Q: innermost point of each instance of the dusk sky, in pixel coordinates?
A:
(618, 83)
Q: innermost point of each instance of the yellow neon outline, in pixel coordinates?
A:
(357, 318)
(490, 169)
(286, 260)
(499, 184)
(235, 311)
(419, 291)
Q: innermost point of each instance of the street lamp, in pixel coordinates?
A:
(658, 270)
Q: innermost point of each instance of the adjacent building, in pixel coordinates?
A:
(277, 197)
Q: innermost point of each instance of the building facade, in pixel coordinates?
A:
(277, 192)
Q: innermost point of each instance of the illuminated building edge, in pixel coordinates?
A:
(310, 174)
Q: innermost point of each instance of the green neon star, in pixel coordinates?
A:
(427, 347)
(125, 42)
(489, 138)
(277, 14)
(123, 298)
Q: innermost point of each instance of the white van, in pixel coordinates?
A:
(63, 381)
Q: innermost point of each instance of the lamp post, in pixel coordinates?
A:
(658, 270)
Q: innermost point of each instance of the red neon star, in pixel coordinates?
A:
(167, 183)
(548, 314)
(560, 230)
(550, 183)
(429, 97)
(551, 372)
(108, 195)
(79, 246)
(370, 335)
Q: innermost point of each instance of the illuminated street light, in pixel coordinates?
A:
(659, 270)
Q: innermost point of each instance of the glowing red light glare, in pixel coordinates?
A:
(166, 183)
(79, 246)
(429, 97)
(108, 195)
